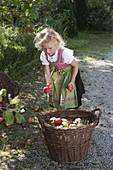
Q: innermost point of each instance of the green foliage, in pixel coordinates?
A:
(58, 15)
(64, 20)
(19, 53)
(8, 116)
(100, 18)
(65, 24)
(10, 112)
(18, 19)
(3, 42)
(21, 13)
(19, 117)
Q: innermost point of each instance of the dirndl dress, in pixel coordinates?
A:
(60, 97)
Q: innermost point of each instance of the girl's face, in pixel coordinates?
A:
(51, 47)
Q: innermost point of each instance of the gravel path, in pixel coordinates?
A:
(26, 146)
(99, 91)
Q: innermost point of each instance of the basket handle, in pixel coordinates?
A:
(40, 118)
(97, 112)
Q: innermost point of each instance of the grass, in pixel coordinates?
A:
(95, 44)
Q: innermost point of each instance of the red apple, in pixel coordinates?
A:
(46, 90)
(69, 87)
(58, 121)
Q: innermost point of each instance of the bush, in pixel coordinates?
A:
(99, 18)
(65, 24)
(66, 17)
(20, 54)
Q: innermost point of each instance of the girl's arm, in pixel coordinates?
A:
(74, 64)
(47, 74)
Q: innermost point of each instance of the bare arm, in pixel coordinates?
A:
(74, 64)
(47, 74)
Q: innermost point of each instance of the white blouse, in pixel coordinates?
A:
(67, 56)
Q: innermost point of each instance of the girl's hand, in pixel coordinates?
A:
(70, 87)
(48, 88)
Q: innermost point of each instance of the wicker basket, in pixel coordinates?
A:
(69, 145)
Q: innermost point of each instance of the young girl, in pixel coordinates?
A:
(64, 75)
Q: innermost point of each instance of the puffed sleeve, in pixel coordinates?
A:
(43, 59)
(67, 55)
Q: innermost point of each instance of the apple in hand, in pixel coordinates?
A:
(46, 90)
(50, 86)
(69, 87)
(58, 121)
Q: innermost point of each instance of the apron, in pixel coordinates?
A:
(60, 98)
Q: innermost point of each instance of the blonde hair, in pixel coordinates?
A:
(47, 35)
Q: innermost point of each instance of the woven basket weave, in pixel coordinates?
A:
(69, 145)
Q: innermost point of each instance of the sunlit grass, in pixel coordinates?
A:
(88, 58)
(94, 44)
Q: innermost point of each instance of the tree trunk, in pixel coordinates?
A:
(71, 27)
(80, 11)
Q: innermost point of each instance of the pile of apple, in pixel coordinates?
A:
(63, 122)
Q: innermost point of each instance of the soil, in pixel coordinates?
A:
(22, 147)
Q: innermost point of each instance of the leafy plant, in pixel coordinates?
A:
(100, 18)
(16, 58)
(11, 111)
